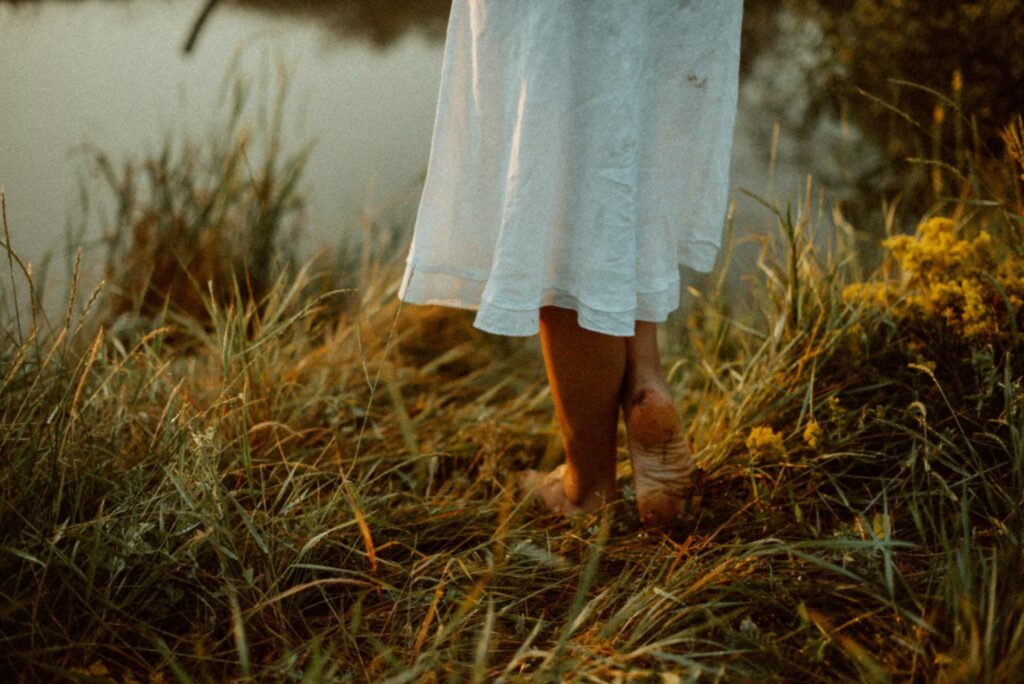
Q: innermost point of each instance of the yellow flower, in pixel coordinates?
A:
(950, 280)
(872, 294)
(812, 433)
(835, 410)
(764, 442)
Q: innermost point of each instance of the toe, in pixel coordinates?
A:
(659, 509)
(526, 479)
(548, 487)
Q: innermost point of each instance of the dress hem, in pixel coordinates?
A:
(437, 286)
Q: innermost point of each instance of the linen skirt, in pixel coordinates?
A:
(580, 157)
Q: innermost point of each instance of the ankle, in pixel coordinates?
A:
(587, 493)
(642, 378)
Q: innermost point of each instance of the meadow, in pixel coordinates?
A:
(226, 465)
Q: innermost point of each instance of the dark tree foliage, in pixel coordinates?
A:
(879, 43)
(380, 21)
(928, 79)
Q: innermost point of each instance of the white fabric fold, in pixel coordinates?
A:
(580, 156)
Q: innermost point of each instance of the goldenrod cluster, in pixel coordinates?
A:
(813, 433)
(959, 281)
(765, 443)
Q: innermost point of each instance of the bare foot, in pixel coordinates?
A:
(550, 487)
(662, 464)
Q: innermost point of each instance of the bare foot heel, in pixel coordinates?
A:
(662, 463)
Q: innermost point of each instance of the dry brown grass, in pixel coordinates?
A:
(315, 484)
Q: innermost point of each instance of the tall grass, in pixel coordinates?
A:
(200, 218)
(308, 481)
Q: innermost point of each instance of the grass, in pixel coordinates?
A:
(311, 482)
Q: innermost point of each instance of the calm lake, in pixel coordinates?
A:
(113, 75)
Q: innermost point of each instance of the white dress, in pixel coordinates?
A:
(580, 155)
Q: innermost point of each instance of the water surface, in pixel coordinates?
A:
(113, 74)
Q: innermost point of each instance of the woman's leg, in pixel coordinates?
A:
(661, 459)
(585, 372)
(646, 394)
(590, 375)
